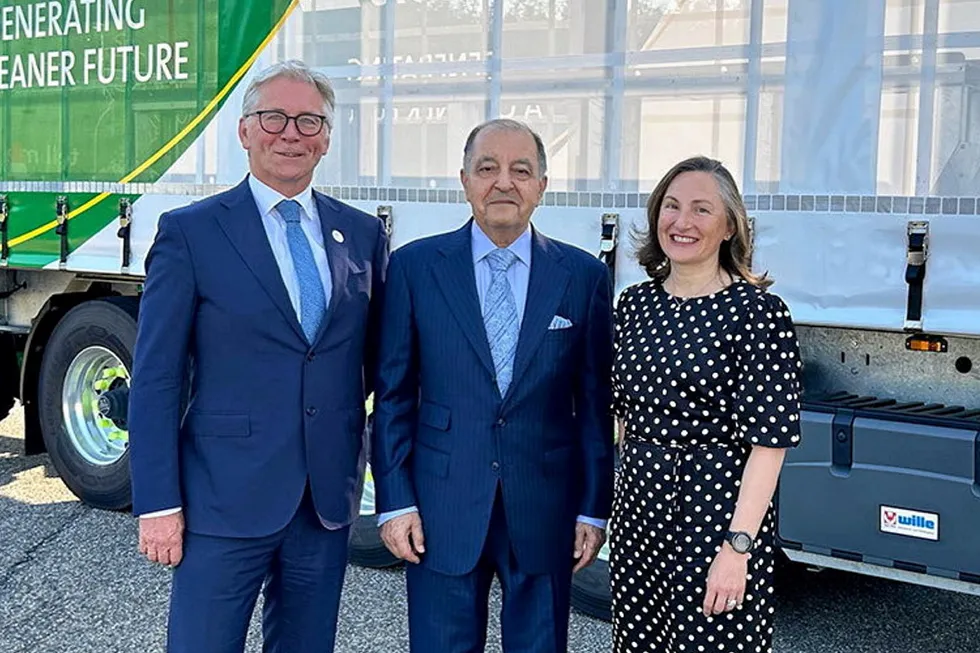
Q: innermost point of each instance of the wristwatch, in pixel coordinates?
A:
(741, 541)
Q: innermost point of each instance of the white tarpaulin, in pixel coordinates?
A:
(832, 96)
(848, 269)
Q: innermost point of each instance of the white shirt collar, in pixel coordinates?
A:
(482, 245)
(266, 198)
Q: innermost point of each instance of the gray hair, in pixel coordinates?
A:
(509, 125)
(295, 70)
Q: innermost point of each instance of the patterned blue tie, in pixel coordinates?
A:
(500, 317)
(312, 299)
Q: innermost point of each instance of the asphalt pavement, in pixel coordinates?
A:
(72, 581)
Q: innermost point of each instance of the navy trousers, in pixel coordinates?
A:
(448, 614)
(217, 584)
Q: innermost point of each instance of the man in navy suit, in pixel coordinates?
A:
(493, 442)
(267, 296)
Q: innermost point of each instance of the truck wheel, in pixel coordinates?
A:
(9, 373)
(590, 588)
(366, 548)
(83, 395)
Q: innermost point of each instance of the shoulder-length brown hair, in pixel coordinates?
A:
(735, 255)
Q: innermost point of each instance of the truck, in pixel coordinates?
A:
(853, 129)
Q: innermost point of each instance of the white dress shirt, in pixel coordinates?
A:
(266, 199)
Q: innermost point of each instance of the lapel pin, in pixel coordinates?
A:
(339, 237)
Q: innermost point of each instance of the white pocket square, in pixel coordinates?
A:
(559, 322)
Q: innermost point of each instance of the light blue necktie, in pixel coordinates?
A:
(312, 299)
(500, 317)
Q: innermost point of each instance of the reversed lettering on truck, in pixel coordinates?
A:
(912, 523)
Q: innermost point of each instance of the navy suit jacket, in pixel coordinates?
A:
(444, 438)
(266, 409)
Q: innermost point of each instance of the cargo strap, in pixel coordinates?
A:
(915, 272)
(4, 229)
(608, 241)
(125, 231)
(62, 230)
(384, 214)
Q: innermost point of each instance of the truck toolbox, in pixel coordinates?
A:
(886, 483)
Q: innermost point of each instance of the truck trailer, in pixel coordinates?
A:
(853, 128)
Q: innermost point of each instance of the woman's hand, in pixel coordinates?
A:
(727, 575)
(725, 590)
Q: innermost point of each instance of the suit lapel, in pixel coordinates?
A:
(335, 242)
(242, 224)
(455, 277)
(545, 289)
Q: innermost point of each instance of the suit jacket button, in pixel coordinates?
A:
(310, 357)
(495, 466)
(501, 422)
(311, 411)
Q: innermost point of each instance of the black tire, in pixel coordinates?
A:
(9, 373)
(110, 324)
(590, 591)
(366, 548)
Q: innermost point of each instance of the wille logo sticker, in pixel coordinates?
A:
(911, 523)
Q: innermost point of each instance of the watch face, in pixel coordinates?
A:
(741, 542)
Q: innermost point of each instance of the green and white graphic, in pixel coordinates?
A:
(109, 92)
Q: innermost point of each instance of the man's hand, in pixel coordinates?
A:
(404, 538)
(162, 539)
(588, 540)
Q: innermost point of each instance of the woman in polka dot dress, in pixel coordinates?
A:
(706, 389)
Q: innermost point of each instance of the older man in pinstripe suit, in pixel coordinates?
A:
(492, 449)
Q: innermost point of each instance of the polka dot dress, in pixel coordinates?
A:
(696, 385)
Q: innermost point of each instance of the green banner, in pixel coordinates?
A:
(116, 90)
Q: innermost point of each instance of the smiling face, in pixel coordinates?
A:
(693, 221)
(284, 161)
(503, 185)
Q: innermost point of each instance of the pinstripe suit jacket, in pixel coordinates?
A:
(444, 438)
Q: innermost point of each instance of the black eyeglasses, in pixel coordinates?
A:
(274, 121)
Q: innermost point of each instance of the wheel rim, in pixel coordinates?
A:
(367, 496)
(96, 431)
